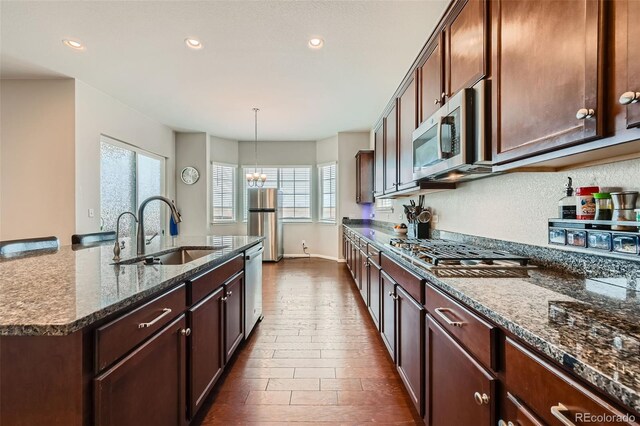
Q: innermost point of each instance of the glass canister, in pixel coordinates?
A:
(604, 208)
(585, 202)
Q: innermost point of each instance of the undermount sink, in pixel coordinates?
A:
(179, 256)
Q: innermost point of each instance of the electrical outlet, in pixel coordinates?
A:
(304, 242)
(434, 218)
(91, 213)
(400, 216)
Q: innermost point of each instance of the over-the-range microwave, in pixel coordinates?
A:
(451, 145)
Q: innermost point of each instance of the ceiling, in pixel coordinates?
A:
(255, 54)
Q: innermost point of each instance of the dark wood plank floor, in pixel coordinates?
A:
(316, 357)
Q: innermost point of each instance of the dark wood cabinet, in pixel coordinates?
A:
(550, 51)
(431, 84)
(364, 177)
(374, 293)
(466, 41)
(408, 117)
(516, 413)
(147, 387)
(378, 186)
(388, 313)
(410, 346)
(459, 391)
(391, 150)
(205, 357)
(233, 315)
(363, 277)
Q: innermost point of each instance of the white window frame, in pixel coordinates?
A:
(321, 193)
(384, 205)
(251, 167)
(234, 195)
(139, 151)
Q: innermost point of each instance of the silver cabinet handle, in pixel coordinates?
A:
(436, 101)
(229, 293)
(503, 423)
(441, 311)
(185, 331)
(165, 312)
(481, 398)
(558, 412)
(584, 113)
(629, 98)
(393, 296)
(224, 299)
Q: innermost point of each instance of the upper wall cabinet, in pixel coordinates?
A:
(431, 85)
(391, 150)
(546, 65)
(408, 115)
(378, 187)
(631, 95)
(466, 41)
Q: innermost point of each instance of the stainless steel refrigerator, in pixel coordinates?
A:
(265, 219)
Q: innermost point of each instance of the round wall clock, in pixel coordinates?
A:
(190, 175)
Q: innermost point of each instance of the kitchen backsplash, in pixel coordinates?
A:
(514, 207)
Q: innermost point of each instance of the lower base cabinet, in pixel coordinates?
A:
(206, 359)
(363, 276)
(147, 387)
(459, 391)
(410, 346)
(233, 315)
(388, 313)
(374, 293)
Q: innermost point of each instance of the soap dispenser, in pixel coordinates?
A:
(567, 204)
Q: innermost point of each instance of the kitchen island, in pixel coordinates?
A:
(575, 332)
(86, 341)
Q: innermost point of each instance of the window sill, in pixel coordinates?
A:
(327, 222)
(224, 222)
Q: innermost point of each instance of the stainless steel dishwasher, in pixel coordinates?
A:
(253, 287)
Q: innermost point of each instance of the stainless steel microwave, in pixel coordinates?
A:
(451, 143)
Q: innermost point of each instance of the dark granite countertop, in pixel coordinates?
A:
(590, 325)
(59, 293)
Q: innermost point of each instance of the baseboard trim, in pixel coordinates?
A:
(319, 256)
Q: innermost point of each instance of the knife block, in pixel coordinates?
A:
(418, 230)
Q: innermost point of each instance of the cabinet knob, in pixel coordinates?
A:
(224, 298)
(185, 331)
(444, 95)
(503, 423)
(585, 113)
(629, 98)
(436, 101)
(481, 398)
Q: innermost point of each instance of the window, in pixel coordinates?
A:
(224, 192)
(327, 192)
(295, 183)
(384, 205)
(128, 176)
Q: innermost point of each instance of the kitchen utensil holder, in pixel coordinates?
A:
(418, 230)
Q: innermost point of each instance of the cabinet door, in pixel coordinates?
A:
(374, 293)
(407, 111)
(410, 346)
(388, 313)
(205, 356)
(364, 177)
(516, 413)
(148, 386)
(465, 36)
(431, 87)
(633, 61)
(364, 276)
(358, 178)
(379, 160)
(549, 51)
(459, 391)
(390, 151)
(233, 315)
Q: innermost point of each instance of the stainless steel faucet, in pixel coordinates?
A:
(116, 247)
(140, 237)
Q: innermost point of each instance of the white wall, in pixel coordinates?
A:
(98, 113)
(515, 207)
(193, 201)
(37, 179)
(226, 151)
(326, 240)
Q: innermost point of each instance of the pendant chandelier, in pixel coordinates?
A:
(256, 179)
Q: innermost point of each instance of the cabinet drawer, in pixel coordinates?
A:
(411, 283)
(475, 334)
(204, 284)
(550, 393)
(118, 337)
(374, 254)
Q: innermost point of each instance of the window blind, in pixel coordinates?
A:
(328, 186)
(224, 179)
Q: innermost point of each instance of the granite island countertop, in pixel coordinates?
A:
(61, 292)
(591, 326)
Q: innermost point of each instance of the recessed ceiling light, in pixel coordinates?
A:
(74, 44)
(193, 43)
(316, 43)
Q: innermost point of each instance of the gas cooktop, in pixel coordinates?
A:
(451, 259)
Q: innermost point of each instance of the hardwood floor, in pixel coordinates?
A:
(316, 358)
